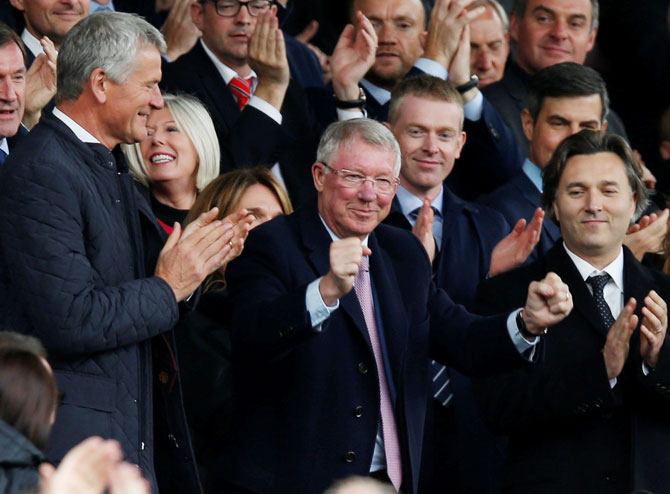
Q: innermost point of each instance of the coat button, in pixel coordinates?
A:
(349, 457)
(362, 368)
(163, 377)
(358, 412)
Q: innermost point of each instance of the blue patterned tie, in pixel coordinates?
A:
(598, 284)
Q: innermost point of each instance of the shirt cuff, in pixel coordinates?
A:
(343, 115)
(263, 106)
(523, 346)
(431, 67)
(473, 109)
(317, 308)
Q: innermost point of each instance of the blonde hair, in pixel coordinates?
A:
(191, 118)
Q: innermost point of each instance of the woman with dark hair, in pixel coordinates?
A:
(28, 400)
(204, 343)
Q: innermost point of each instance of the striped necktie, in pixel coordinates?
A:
(241, 89)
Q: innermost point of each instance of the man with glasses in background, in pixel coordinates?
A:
(262, 117)
(335, 316)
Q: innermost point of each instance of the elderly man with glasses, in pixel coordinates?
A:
(335, 315)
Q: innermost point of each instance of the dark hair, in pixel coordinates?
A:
(590, 142)
(28, 394)
(565, 80)
(10, 339)
(225, 192)
(7, 35)
(424, 86)
(519, 10)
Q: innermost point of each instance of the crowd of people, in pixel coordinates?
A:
(239, 254)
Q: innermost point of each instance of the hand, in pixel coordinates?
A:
(179, 31)
(354, 55)
(305, 36)
(267, 57)
(444, 29)
(40, 83)
(187, 258)
(548, 303)
(241, 221)
(615, 352)
(514, 249)
(85, 469)
(647, 177)
(127, 479)
(648, 235)
(653, 329)
(345, 259)
(459, 69)
(423, 228)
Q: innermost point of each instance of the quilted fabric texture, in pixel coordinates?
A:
(76, 242)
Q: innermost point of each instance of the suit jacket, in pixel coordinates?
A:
(569, 431)
(509, 95)
(519, 198)
(306, 402)
(250, 137)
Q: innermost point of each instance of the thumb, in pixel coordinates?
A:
(173, 238)
(309, 32)
(366, 250)
(46, 471)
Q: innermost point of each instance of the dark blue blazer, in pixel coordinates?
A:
(249, 137)
(519, 198)
(569, 431)
(306, 403)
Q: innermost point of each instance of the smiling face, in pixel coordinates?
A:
(168, 153)
(558, 119)
(12, 88)
(354, 211)
(594, 204)
(489, 47)
(399, 25)
(552, 31)
(227, 37)
(52, 18)
(129, 104)
(430, 138)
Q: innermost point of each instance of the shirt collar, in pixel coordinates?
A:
(4, 145)
(82, 134)
(534, 173)
(226, 72)
(31, 42)
(409, 202)
(334, 237)
(586, 270)
(381, 95)
(95, 6)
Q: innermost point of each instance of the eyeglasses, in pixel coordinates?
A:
(230, 8)
(352, 179)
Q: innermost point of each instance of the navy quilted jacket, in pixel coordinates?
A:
(77, 244)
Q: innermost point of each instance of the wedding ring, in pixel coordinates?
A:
(656, 332)
(230, 243)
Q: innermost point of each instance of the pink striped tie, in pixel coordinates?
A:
(389, 430)
(241, 89)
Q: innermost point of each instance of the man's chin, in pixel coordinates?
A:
(385, 77)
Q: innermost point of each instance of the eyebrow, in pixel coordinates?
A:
(565, 120)
(602, 183)
(542, 8)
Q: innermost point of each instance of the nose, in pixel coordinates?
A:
(386, 33)
(157, 138)
(430, 143)
(7, 90)
(483, 61)
(366, 191)
(559, 29)
(243, 16)
(156, 101)
(594, 203)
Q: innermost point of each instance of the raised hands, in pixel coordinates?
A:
(648, 234)
(617, 344)
(446, 24)
(354, 55)
(204, 246)
(423, 228)
(40, 83)
(267, 57)
(653, 328)
(345, 259)
(514, 249)
(548, 303)
(179, 31)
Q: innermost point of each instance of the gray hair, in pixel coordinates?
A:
(519, 10)
(106, 40)
(367, 130)
(498, 9)
(191, 118)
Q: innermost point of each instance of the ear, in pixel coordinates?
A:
(664, 150)
(18, 5)
(514, 27)
(592, 39)
(318, 175)
(198, 14)
(459, 145)
(527, 124)
(387, 125)
(553, 205)
(98, 82)
(603, 127)
(422, 39)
